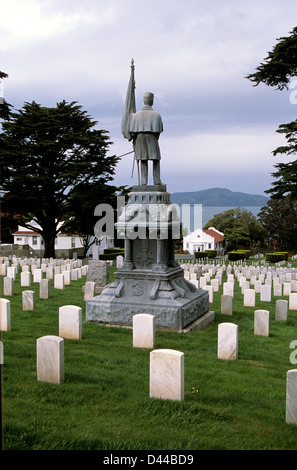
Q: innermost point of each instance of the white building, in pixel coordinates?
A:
(63, 242)
(200, 240)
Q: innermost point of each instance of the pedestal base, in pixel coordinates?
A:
(175, 302)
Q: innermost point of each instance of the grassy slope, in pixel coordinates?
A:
(104, 402)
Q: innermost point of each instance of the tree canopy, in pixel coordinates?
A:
(45, 153)
(279, 218)
(240, 227)
(280, 65)
(277, 70)
(5, 108)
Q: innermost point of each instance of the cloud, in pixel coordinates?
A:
(193, 54)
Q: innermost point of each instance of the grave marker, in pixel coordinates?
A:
(227, 341)
(281, 309)
(167, 374)
(261, 322)
(293, 301)
(291, 397)
(8, 286)
(144, 330)
(249, 298)
(28, 299)
(44, 288)
(70, 322)
(50, 359)
(227, 304)
(4, 315)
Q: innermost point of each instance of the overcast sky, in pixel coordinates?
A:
(219, 130)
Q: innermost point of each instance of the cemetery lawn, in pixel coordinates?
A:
(104, 401)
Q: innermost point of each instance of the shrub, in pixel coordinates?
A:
(238, 255)
(111, 253)
(200, 254)
(211, 253)
(277, 256)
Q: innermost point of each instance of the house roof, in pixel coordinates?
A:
(25, 232)
(198, 234)
(218, 236)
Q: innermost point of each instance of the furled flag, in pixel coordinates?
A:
(130, 106)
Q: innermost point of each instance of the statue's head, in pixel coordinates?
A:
(148, 98)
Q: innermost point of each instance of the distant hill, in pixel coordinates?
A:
(219, 197)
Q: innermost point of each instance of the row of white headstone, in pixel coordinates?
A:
(283, 280)
(60, 280)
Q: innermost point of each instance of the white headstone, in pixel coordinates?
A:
(293, 301)
(215, 284)
(209, 289)
(4, 315)
(277, 290)
(67, 277)
(70, 322)
(167, 374)
(120, 261)
(144, 330)
(227, 341)
(25, 279)
(287, 288)
(49, 273)
(281, 309)
(261, 322)
(249, 298)
(8, 286)
(265, 294)
(227, 304)
(37, 275)
(74, 274)
(50, 359)
(291, 397)
(28, 299)
(228, 288)
(44, 288)
(59, 281)
(89, 290)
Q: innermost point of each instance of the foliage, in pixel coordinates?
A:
(5, 108)
(240, 227)
(276, 257)
(44, 154)
(111, 254)
(200, 255)
(279, 218)
(211, 253)
(280, 64)
(239, 255)
(279, 67)
(83, 199)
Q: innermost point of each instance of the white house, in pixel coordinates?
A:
(63, 242)
(219, 239)
(200, 240)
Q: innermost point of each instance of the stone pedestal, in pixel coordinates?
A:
(149, 280)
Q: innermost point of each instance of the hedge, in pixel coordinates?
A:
(111, 253)
(200, 254)
(238, 255)
(277, 256)
(211, 253)
(205, 254)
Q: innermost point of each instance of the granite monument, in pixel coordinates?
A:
(149, 280)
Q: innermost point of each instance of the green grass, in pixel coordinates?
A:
(104, 402)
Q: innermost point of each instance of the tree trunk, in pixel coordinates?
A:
(49, 236)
